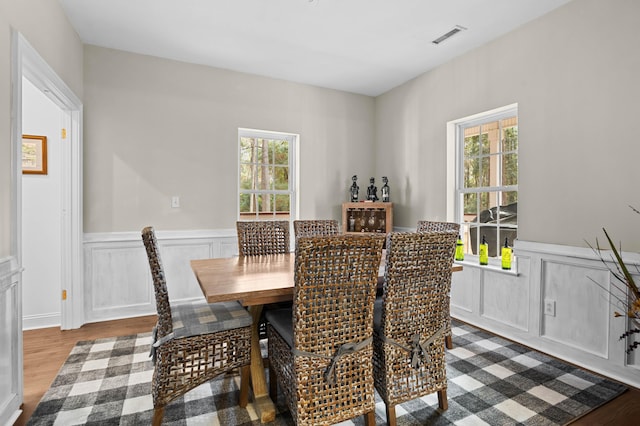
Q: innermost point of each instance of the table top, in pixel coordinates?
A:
(253, 280)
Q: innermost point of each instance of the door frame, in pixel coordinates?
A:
(28, 63)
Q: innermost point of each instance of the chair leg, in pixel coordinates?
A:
(442, 400)
(391, 415)
(245, 377)
(273, 385)
(158, 414)
(370, 418)
(448, 341)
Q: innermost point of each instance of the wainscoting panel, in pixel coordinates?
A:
(117, 278)
(559, 302)
(181, 282)
(580, 316)
(11, 380)
(505, 299)
(462, 292)
(119, 281)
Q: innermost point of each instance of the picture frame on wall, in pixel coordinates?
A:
(34, 155)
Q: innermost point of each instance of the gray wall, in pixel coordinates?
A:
(156, 128)
(47, 29)
(575, 75)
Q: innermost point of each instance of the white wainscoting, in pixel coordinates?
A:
(11, 383)
(583, 329)
(117, 277)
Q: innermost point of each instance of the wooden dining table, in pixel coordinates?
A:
(254, 281)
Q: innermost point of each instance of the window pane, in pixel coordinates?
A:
(246, 203)
(470, 206)
(472, 173)
(490, 137)
(246, 176)
(510, 139)
(280, 152)
(484, 143)
(266, 180)
(282, 203)
(246, 150)
(485, 171)
(471, 142)
(281, 178)
(510, 169)
(509, 197)
(265, 203)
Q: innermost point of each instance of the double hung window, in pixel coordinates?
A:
(487, 179)
(267, 189)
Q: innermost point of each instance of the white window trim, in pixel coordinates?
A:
(454, 175)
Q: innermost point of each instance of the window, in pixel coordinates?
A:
(487, 179)
(267, 189)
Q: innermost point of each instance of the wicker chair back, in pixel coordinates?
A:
(326, 375)
(165, 322)
(262, 237)
(428, 226)
(310, 228)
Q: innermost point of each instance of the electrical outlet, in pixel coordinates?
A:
(550, 307)
(175, 202)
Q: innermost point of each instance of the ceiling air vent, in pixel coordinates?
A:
(443, 37)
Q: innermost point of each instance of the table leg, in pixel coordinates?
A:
(265, 407)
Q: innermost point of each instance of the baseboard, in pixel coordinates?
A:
(33, 322)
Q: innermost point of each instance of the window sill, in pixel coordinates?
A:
(493, 267)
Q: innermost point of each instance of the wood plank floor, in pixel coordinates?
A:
(45, 351)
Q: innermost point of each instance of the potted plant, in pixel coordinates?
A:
(624, 282)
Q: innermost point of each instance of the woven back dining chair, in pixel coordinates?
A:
(409, 319)
(430, 226)
(258, 237)
(320, 351)
(262, 237)
(193, 342)
(310, 228)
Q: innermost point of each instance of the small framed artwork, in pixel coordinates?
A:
(34, 155)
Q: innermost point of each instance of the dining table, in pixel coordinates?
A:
(254, 281)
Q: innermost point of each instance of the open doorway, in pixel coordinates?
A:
(28, 64)
(41, 209)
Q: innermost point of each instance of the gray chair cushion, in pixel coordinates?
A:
(377, 314)
(282, 321)
(192, 319)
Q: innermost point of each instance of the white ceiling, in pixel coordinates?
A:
(359, 46)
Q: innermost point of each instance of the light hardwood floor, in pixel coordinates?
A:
(45, 351)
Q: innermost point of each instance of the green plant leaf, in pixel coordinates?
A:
(628, 278)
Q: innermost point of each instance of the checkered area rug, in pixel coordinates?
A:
(491, 381)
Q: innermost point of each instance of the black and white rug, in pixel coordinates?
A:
(491, 381)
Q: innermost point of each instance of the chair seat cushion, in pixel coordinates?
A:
(377, 314)
(192, 319)
(282, 321)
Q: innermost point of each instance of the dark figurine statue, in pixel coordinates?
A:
(385, 190)
(354, 189)
(372, 191)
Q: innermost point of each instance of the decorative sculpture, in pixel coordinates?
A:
(372, 191)
(354, 189)
(385, 190)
